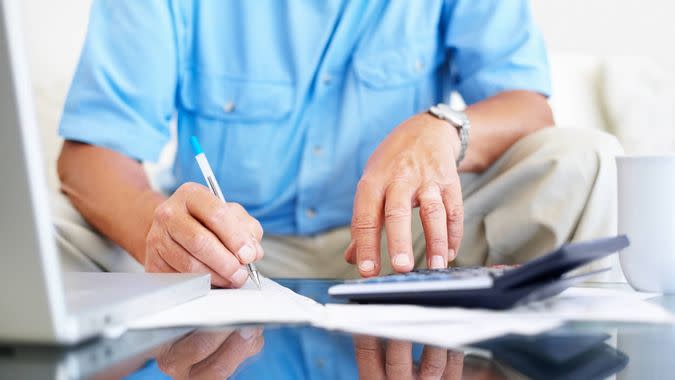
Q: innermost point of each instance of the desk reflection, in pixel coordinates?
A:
(207, 353)
(308, 353)
(204, 354)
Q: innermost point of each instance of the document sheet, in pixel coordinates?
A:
(271, 304)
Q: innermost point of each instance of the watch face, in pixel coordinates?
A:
(455, 118)
(444, 111)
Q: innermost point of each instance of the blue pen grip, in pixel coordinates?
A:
(195, 145)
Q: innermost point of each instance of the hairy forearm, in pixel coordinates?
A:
(111, 191)
(498, 122)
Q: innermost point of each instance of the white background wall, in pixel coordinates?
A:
(54, 34)
(609, 27)
(55, 30)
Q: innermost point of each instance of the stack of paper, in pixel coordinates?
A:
(439, 326)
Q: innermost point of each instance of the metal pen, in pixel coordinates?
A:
(210, 178)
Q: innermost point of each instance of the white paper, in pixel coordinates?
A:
(597, 304)
(447, 327)
(453, 334)
(271, 304)
(338, 316)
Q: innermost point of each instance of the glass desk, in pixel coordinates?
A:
(574, 351)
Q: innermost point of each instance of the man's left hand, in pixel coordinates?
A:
(413, 167)
(391, 359)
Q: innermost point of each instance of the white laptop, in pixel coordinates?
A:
(38, 303)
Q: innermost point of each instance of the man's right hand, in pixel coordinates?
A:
(209, 354)
(195, 232)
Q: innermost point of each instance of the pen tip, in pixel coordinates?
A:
(256, 279)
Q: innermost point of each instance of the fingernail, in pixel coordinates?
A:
(246, 253)
(240, 276)
(367, 265)
(451, 254)
(402, 260)
(249, 333)
(438, 262)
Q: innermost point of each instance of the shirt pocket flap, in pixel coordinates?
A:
(231, 99)
(398, 66)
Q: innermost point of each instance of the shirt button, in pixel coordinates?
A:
(317, 150)
(326, 79)
(229, 107)
(320, 363)
(419, 65)
(310, 213)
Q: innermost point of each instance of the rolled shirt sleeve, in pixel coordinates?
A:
(495, 46)
(122, 96)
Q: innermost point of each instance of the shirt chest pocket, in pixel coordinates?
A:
(404, 65)
(236, 100)
(398, 82)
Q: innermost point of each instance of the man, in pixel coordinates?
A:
(316, 118)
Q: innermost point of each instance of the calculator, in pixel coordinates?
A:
(498, 287)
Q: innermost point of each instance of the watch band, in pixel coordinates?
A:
(457, 119)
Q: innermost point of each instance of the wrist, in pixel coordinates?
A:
(457, 119)
(145, 204)
(445, 130)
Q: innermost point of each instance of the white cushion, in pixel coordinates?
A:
(638, 95)
(575, 100)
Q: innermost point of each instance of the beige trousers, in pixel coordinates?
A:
(553, 186)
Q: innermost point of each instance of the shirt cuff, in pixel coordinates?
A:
(485, 84)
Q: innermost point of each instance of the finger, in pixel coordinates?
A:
(260, 252)
(253, 225)
(369, 357)
(398, 224)
(350, 253)
(434, 223)
(156, 264)
(189, 350)
(454, 210)
(432, 363)
(153, 262)
(182, 261)
(366, 227)
(222, 363)
(215, 215)
(256, 231)
(454, 366)
(398, 360)
(203, 245)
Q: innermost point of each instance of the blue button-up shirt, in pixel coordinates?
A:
(288, 97)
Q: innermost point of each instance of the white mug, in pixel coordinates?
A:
(646, 186)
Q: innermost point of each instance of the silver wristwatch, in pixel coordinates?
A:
(457, 119)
